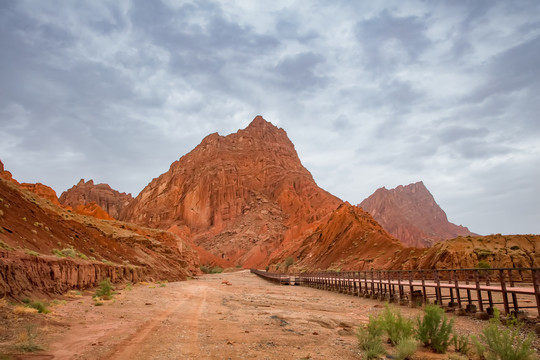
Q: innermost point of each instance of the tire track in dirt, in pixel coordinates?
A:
(134, 346)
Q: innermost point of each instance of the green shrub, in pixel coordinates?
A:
(405, 348)
(483, 264)
(105, 289)
(69, 252)
(5, 246)
(216, 270)
(288, 262)
(31, 252)
(395, 325)
(434, 329)
(370, 339)
(499, 343)
(461, 343)
(82, 256)
(39, 306)
(205, 269)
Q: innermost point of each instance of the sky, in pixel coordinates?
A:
(372, 94)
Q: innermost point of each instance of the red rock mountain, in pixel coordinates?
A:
(411, 214)
(241, 195)
(350, 240)
(86, 193)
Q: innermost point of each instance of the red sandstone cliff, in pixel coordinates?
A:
(350, 240)
(85, 193)
(34, 233)
(411, 214)
(241, 195)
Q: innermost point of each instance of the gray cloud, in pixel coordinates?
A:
(298, 72)
(382, 95)
(391, 41)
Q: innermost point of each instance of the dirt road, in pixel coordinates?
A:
(207, 319)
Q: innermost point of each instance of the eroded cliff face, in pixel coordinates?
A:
(411, 214)
(86, 193)
(33, 230)
(241, 195)
(350, 240)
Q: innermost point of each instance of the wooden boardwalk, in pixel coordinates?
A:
(512, 290)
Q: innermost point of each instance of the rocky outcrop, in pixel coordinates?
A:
(42, 190)
(6, 175)
(240, 195)
(108, 199)
(496, 251)
(350, 240)
(411, 214)
(93, 209)
(46, 248)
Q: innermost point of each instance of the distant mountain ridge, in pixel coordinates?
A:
(411, 214)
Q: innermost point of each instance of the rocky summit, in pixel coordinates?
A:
(411, 214)
(86, 195)
(241, 196)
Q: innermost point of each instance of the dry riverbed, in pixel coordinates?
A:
(223, 316)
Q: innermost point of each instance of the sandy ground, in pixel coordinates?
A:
(206, 319)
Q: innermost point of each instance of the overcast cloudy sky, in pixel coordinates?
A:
(372, 93)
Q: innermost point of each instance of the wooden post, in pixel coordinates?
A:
(478, 291)
(504, 293)
(456, 282)
(514, 297)
(535, 273)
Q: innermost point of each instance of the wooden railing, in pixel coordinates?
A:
(510, 289)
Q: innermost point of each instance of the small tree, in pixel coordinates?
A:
(288, 262)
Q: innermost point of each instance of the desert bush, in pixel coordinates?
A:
(461, 343)
(216, 270)
(82, 256)
(370, 339)
(5, 246)
(395, 325)
(39, 306)
(105, 289)
(499, 343)
(69, 252)
(205, 269)
(405, 348)
(483, 264)
(288, 262)
(31, 252)
(25, 340)
(434, 329)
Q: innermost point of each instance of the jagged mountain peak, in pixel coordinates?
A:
(411, 214)
(248, 187)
